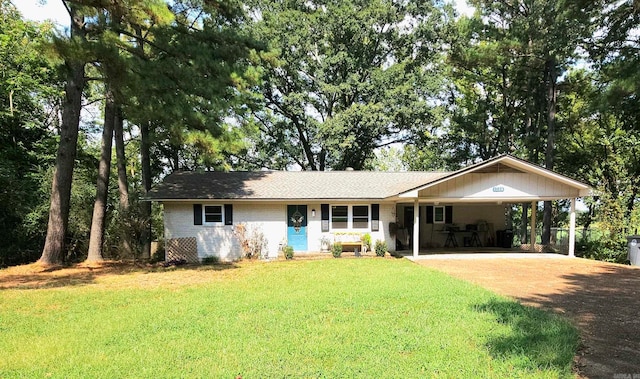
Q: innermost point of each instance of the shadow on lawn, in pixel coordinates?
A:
(38, 277)
(537, 340)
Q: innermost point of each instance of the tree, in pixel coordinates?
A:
(74, 65)
(342, 78)
(505, 65)
(29, 93)
(186, 78)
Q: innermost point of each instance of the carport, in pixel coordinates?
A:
(487, 186)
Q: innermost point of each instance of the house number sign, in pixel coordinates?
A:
(498, 189)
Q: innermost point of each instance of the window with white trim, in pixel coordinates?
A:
(339, 217)
(438, 215)
(350, 217)
(213, 214)
(360, 217)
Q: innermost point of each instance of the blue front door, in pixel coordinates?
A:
(297, 227)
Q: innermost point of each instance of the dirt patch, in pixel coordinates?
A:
(602, 299)
(111, 275)
(114, 274)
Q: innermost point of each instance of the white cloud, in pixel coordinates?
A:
(463, 8)
(41, 10)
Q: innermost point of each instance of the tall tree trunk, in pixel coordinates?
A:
(63, 175)
(96, 238)
(123, 182)
(145, 147)
(145, 158)
(551, 135)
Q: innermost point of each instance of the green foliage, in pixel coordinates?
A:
(381, 248)
(336, 250)
(29, 90)
(313, 328)
(604, 249)
(288, 252)
(341, 79)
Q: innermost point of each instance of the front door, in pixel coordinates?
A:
(297, 227)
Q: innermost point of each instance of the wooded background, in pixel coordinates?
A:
(92, 115)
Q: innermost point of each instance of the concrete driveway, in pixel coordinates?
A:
(602, 299)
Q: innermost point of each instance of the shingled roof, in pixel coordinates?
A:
(289, 185)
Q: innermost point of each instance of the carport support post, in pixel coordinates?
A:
(572, 228)
(416, 227)
(534, 210)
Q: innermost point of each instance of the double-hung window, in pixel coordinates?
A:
(213, 214)
(438, 215)
(339, 217)
(360, 217)
(350, 217)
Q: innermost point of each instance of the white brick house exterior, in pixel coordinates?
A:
(303, 207)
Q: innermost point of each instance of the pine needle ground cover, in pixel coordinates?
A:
(332, 318)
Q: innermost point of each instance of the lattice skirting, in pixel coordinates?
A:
(182, 248)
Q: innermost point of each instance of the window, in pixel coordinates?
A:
(339, 217)
(438, 215)
(212, 214)
(360, 217)
(350, 216)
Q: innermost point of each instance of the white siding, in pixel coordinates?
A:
(499, 185)
(387, 215)
(270, 218)
(219, 240)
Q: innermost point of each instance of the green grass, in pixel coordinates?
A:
(335, 318)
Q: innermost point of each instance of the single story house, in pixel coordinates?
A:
(305, 208)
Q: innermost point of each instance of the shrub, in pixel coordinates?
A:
(607, 250)
(252, 241)
(336, 250)
(288, 252)
(210, 260)
(381, 248)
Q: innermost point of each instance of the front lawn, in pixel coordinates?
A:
(333, 318)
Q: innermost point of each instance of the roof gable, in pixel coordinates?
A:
(501, 168)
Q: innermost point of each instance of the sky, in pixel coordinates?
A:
(40, 10)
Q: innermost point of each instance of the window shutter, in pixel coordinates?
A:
(429, 214)
(324, 216)
(448, 214)
(228, 214)
(375, 217)
(197, 214)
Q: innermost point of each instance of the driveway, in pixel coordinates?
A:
(602, 299)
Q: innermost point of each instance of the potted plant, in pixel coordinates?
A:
(366, 242)
(325, 242)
